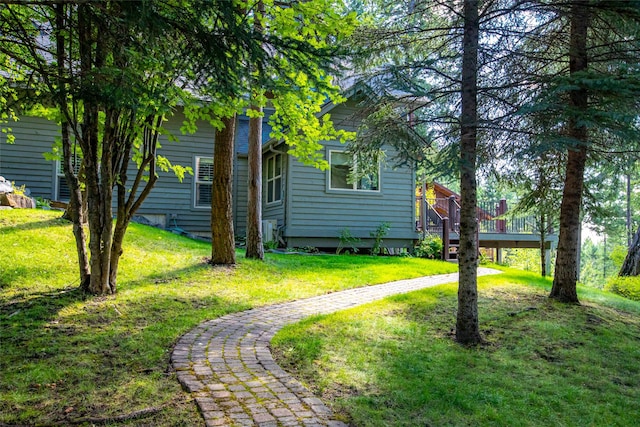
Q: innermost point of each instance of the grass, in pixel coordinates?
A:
(394, 362)
(65, 356)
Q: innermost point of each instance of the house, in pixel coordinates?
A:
(302, 205)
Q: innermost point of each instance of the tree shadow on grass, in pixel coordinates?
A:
(421, 377)
(35, 225)
(331, 262)
(60, 347)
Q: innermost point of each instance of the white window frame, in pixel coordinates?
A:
(272, 182)
(355, 183)
(197, 182)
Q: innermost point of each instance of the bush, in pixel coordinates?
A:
(348, 242)
(628, 286)
(429, 247)
(377, 235)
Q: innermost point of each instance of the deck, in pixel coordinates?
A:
(496, 228)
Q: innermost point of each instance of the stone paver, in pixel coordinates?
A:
(227, 366)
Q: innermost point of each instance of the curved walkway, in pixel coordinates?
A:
(227, 366)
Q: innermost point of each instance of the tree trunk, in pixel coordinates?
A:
(99, 178)
(76, 211)
(628, 221)
(631, 264)
(467, 328)
(99, 192)
(566, 274)
(129, 201)
(255, 249)
(543, 238)
(222, 238)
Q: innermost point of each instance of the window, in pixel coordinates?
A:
(204, 177)
(344, 174)
(63, 192)
(274, 178)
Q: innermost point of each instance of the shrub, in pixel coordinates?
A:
(377, 235)
(628, 286)
(347, 240)
(42, 203)
(429, 247)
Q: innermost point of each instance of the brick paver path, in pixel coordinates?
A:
(227, 366)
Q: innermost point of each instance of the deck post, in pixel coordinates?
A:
(453, 211)
(501, 224)
(445, 239)
(547, 261)
(423, 210)
(498, 255)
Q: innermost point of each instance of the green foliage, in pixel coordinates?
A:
(522, 259)
(270, 245)
(296, 121)
(42, 203)
(19, 190)
(628, 287)
(299, 91)
(165, 165)
(599, 262)
(380, 231)
(429, 247)
(347, 241)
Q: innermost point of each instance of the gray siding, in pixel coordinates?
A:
(23, 161)
(309, 211)
(317, 212)
(171, 197)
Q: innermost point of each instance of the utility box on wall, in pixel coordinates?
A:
(269, 230)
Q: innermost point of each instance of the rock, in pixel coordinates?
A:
(16, 201)
(5, 186)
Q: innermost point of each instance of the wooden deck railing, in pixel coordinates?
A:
(491, 217)
(442, 217)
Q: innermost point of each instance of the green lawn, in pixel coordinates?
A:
(394, 362)
(65, 356)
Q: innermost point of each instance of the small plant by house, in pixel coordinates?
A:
(270, 245)
(348, 242)
(429, 246)
(380, 231)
